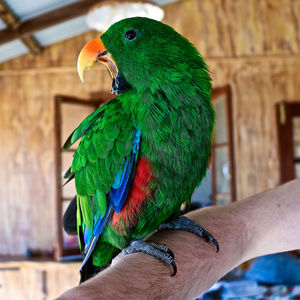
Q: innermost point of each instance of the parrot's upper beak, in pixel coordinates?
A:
(92, 52)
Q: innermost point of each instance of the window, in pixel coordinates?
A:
(218, 187)
(69, 112)
(222, 165)
(288, 125)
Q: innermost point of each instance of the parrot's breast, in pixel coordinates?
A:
(176, 140)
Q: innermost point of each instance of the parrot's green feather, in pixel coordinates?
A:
(85, 207)
(103, 254)
(85, 126)
(97, 160)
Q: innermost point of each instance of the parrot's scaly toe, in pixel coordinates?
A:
(183, 223)
(163, 248)
(160, 252)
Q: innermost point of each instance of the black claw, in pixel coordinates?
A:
(171, 253)
(174, 268)
(184, 223)
(214, 241)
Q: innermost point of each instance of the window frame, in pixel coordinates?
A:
(285, 112)
(96, 100)
(215, 94)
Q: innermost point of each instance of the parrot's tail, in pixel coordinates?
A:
(105, 253)
(89, 270)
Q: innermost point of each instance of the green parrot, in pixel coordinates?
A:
(142, 154)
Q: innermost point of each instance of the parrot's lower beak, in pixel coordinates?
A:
(92, 52)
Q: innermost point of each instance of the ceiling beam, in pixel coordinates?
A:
(27, 28)
(32, 44)
(12, 21)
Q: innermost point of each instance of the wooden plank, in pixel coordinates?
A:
(32, 44)
(11, 20)
(70, 150)
(80, 101)
(7, 15)
(39, 265)
(9, 68)
(61, 279)
(285, 142)
(23, 284)
(26, 28)
(224, 196)
(66, 199)
(32, 280)
(58, 170)
(238, 28)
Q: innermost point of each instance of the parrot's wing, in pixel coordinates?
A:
(104, 165)
(86, 124)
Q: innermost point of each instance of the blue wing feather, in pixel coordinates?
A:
(120, 176)
(118, 195)
(116, 198)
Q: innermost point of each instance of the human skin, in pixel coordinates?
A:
(262, 224)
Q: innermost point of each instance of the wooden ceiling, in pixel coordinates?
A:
(23, 30)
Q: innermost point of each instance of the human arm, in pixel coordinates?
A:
(262, 224)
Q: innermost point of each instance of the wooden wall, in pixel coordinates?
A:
(27, 182)
(36, 280)
(252, 45)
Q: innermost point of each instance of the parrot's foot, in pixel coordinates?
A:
(184, 223)
(160, 252)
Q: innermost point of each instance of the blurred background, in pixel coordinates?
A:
(253, 51)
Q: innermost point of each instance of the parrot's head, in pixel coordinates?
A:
(142, 53)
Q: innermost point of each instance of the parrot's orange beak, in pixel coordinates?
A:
(92, 52)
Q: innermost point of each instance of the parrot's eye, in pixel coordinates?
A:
(130, 35)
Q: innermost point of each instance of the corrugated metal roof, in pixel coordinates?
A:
(27, 9)
(61, 31)
(11, 50)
